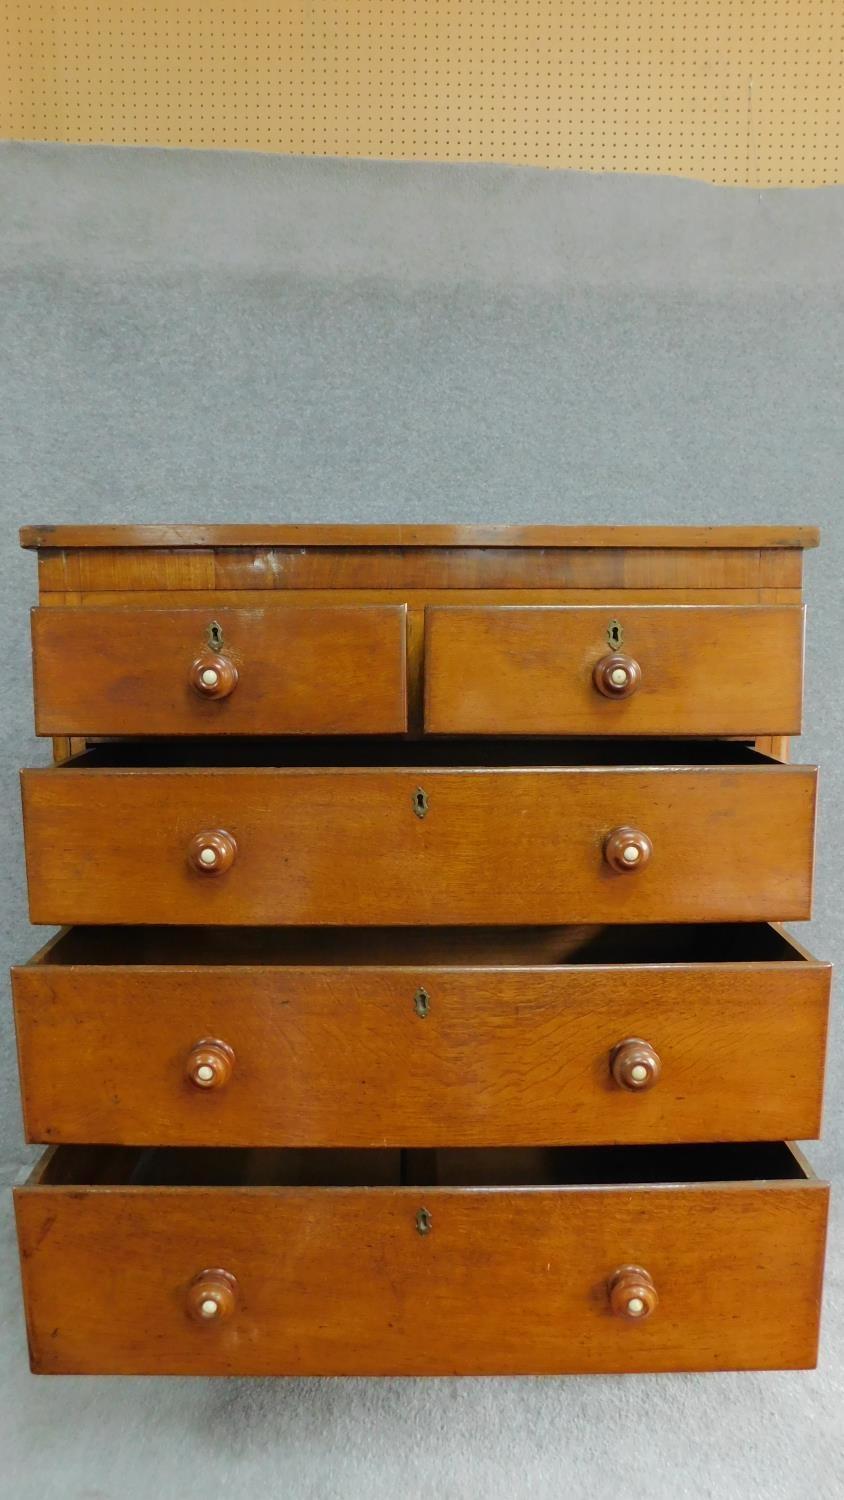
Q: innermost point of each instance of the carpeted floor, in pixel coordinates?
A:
(208, 337)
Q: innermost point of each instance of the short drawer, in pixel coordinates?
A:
(421, 1037)
(285, 669)
(453, 1262)
(452, 834)
(590, 670)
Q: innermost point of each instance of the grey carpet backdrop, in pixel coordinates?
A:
(211, 337)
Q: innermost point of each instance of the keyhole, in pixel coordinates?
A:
(424, 1222)
(420, 802)
(615, 635)
(215, 635)
(422, 1003)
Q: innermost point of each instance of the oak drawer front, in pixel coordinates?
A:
(309, 669)
(595, 670)
(473, 1271)
(383, 846)
(574, 1051)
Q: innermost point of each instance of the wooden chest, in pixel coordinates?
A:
(421, 1003)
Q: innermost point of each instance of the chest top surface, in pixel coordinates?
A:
(167, 535)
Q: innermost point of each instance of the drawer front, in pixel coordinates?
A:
(380, 1280)
(593, 670)
(384, 846)
(286, 670)
(426, 1057)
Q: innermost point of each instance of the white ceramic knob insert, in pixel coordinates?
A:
(638, 1073)
(205, 1073)
(209, 856)
(209, 1308)
(631, 854)
(635, 1307)
(619, 676)
(210, 677)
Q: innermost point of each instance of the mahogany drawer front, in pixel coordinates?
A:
(557, 1037)
(306, 669)
(600, 670)
(396, 844)
(671, 1258)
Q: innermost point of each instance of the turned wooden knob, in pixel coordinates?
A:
(213, 675)
(635, 1064)
(617, 676)
(632, 1293)
(212, 1296)
(627, 849)
(209, 1064)
(212, 852)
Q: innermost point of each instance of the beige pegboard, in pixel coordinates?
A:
(733, 91)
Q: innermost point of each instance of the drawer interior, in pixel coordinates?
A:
(477, 947)
(369, 752)
(474, 1167)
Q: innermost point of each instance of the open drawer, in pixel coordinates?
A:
(393, 832)
(453, 1262)
(421, 1037)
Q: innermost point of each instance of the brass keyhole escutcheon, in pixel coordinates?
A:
(215, 635)
(424, 1222)
(422, 1003)
(420, 802)
(615, 634)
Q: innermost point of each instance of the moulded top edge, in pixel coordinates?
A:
(749, 537)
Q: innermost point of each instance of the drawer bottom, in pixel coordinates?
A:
(523, 1261)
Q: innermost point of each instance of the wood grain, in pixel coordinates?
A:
(128, 568)
(418, 536)
(268, 598)
(340, 1281)
(345, 846)
(529, 670)
(339, 1055)
(263, 570)
(311, 670)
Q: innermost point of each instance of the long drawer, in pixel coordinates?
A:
(454, 833)
(421, 1038)
(596, 670)
(309, 669)
(454, 1262)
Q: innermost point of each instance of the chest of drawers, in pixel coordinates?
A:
(421, 1004)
